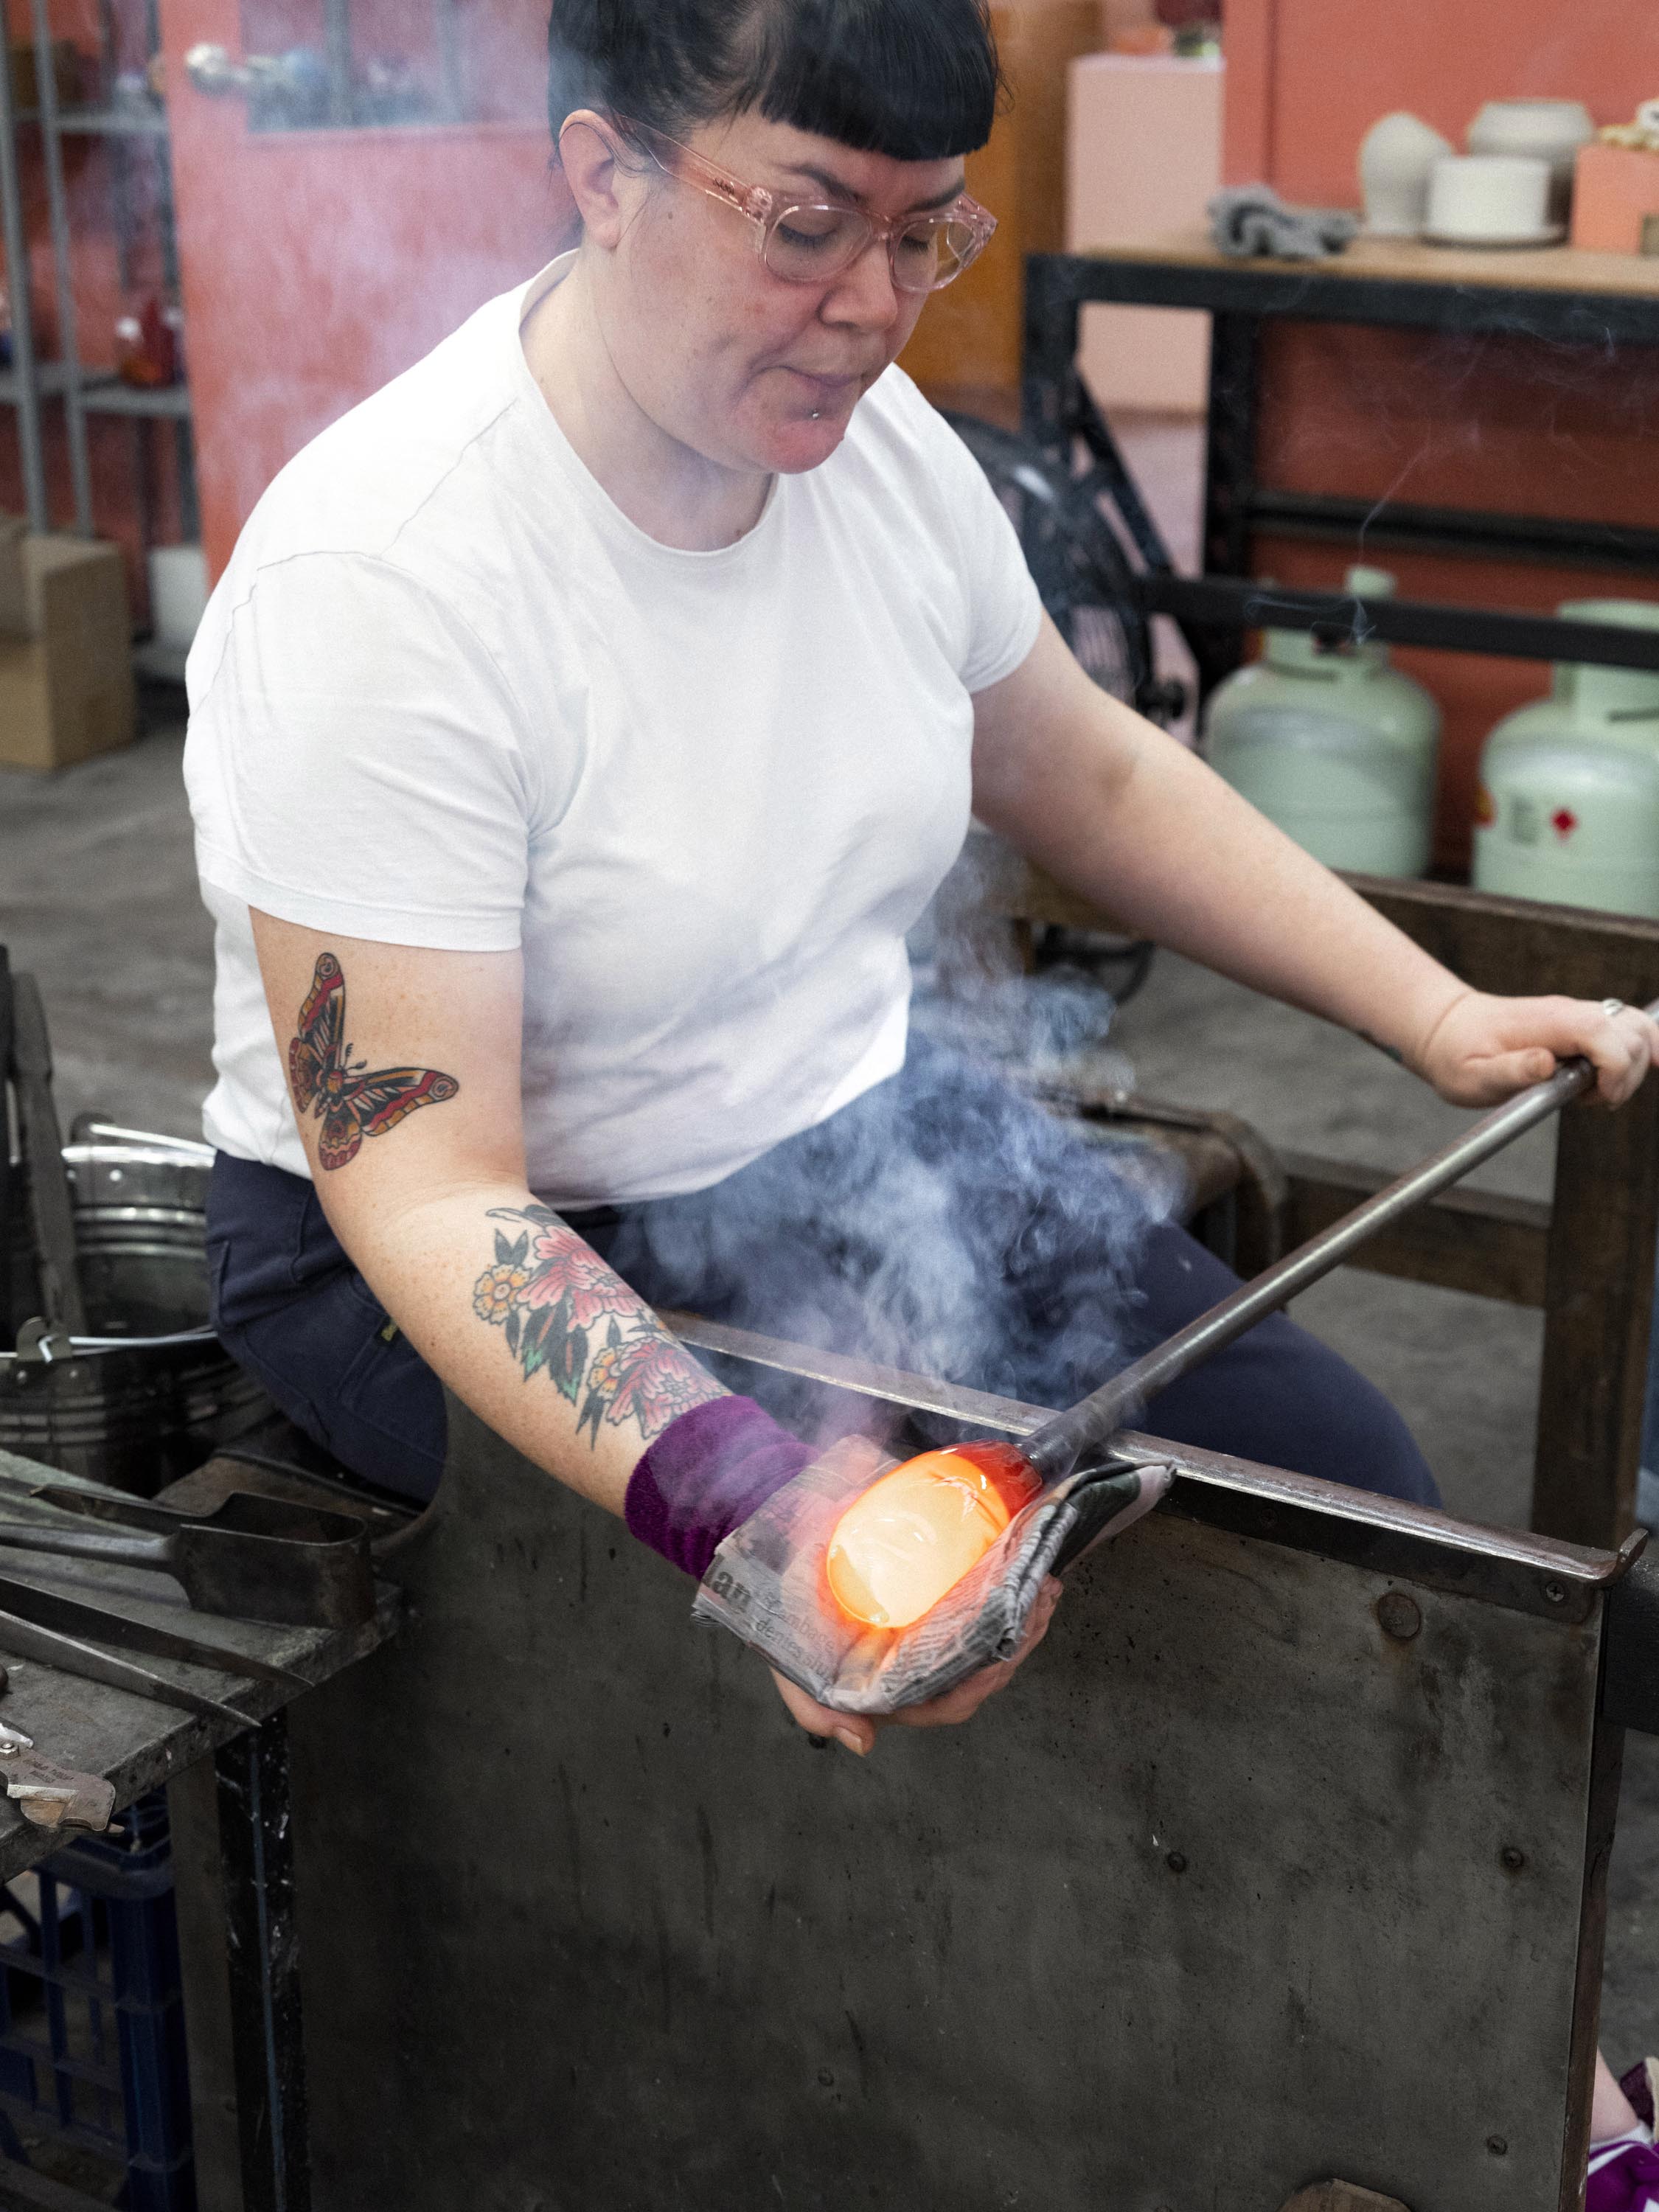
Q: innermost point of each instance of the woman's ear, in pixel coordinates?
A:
(588, 153)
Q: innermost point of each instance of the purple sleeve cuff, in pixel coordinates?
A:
(704, 1476)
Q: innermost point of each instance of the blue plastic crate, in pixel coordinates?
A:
(92, 2028)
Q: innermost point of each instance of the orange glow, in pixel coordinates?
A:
(914, 1534)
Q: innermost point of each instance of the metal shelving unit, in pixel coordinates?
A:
(30, 380)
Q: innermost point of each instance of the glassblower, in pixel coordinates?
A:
(875, 1585)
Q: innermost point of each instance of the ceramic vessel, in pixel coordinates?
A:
(1396, 157)
(1551, 129)
(1490, 199)
(1568, 806)
(1338, 748)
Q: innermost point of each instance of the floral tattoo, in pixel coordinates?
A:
(565, 1315)
(350, 1102)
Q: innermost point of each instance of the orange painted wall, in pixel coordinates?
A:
(1500, 425)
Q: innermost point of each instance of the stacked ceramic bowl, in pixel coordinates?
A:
(1512, 187)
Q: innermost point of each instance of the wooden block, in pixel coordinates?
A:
(1342, 2196)
(1615, 189)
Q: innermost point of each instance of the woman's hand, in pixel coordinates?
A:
(857, 1731)
(1483, 1049)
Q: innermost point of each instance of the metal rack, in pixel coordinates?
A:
(30, 381)
(1395, 289)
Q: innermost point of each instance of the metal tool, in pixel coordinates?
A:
(51, 1796)
(252, 1557)
(76, 1617)
(50, 1198)
(5, 1145)
(73, 1655)
(1056, 1448)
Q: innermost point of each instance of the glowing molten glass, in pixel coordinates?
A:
(917, 1532)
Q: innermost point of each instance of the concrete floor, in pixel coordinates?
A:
(98, 899)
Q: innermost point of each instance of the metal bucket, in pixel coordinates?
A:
(149, 1392)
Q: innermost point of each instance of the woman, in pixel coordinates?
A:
(578, 729)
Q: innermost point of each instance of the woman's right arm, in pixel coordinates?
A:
(420, 1206)
(421, 1176)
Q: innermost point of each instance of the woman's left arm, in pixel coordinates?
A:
(1127, 818)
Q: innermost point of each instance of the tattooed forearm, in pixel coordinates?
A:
(567, 1315)
(351, 1101)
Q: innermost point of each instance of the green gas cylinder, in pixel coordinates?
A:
(1334, 744)
(1568, 806)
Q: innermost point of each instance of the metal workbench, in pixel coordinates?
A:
(1298, 1823)
(1592, 300)
(139, 1746)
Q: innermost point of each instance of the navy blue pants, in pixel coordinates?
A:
(941, 1223)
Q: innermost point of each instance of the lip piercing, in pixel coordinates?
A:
(817, 415)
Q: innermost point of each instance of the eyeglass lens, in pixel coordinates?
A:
(805, 244)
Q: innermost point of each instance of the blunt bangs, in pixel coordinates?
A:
(916, 80)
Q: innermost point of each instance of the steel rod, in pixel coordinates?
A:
(1057, 1449)
(26, 369)
(68, 352)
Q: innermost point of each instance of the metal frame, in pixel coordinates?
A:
(1242, 297)
(968, 1967)
(255, 1842)
(30, 379)
(1589, 1261)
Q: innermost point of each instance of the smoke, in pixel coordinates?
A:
(944, 1222)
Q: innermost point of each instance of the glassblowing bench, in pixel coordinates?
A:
(1587, 1259)
(139, 1746)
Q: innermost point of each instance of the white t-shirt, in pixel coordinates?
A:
(446, 695)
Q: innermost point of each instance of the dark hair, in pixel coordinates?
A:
(916, 79)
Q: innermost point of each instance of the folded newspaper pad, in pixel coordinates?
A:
(768, 1583)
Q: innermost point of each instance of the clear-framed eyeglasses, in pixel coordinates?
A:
(811, 242)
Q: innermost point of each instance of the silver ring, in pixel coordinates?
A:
(1613, 1006)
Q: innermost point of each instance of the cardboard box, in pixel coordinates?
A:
(66, 689)
(1615, 188)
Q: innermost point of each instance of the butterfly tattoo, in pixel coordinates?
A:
(326, 1080)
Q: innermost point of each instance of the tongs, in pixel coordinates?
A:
(252, 1558)
(66, 1633)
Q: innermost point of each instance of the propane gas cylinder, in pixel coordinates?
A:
(1334, 744)
(1568, 806)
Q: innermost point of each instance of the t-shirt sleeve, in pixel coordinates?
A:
(1004, 611)
(354, 761)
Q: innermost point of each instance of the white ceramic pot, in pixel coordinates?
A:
(1396, 158)
(1490, 199)
(1551, 130)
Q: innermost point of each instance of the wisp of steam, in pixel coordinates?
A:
(941, 1223)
